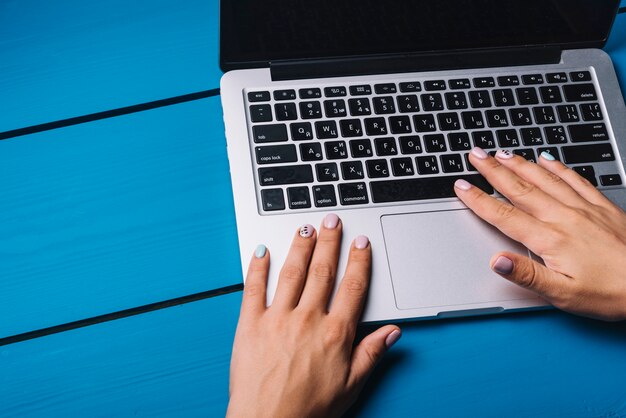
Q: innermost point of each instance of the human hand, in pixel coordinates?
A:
(578, 233)
(296, 358)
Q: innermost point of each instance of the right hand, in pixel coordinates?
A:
(578, 233)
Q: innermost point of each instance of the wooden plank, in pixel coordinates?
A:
(175, 362)
(71, 58)
(114, 214)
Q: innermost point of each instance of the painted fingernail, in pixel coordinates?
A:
(392, 338)
(361, 242)
(306, 231)
(547, 156)
(503, 265)
(462, 184)
(504, 154)
(479, 153)
(260, 251)
(331, 221)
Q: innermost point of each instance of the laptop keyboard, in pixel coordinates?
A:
(359, 145)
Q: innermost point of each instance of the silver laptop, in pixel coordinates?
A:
(369, 108)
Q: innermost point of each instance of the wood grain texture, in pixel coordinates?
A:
(175, 362)
(115, 214)
(69, 58)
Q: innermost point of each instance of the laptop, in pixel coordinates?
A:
(369, 108)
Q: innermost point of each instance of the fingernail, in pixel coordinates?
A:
(479, 153)
(361, 242)
(503, 265)
(306, 231)
(546, 155)
(462, 184)
(260, 251)
(504, 154)
(392, 338)
(331, 221)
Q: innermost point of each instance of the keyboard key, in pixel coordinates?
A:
(588, 132)
(326, 129)
(544, 115)
(520, 117)
(424, 123)
(434, 85)
(459, 84)
(360, 107)
(531, 136)
(377, 168)
(286, 111)
(432, 102)
(554, 151)
(456, 100)
(298, 197)
(449, 121)
(509, 80)
(335, 91)
(496, 118)
(410, 87)
(507, 138)
(410, 145)
(550, 94)
(351, 128)
(269, 133)
(260, 113)
(587, 172)
(310, 110)
(384, 105)
(376, 126)
(451, 163)
(335, 108)
(503, 97)
(402, 190)
(402, 167)
(324, 196)
(310, 93)
(273, 154)
(611, 180)
(289, 174)
(259, 96)
(473, 120)
(408, 103)
(527, 96)
(336, 150)
(580, 93)
(435, 143)
(273, 199)
(459, 141)
(567, 113)
(385, 88)
(361, 148)
(593, 153)
(579, 76)
(352, 170)
(353, 194)
(528, 154)
(532, 79)
(385, 147)
(553, 78)
(427, 165)
(469, 165)
(362, 90)
(483, 139)
(555, 135)
(483, 82)
(326, 172)
(591, 112)
(480, 99)
(284, 95)
(301, 131)
(400, 125)
(311, 151)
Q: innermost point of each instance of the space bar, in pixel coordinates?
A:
(422, 188)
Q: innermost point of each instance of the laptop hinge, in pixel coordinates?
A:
(403, 63)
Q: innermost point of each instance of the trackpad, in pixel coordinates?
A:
(442, 259)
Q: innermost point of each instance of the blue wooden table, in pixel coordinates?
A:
(119, 268)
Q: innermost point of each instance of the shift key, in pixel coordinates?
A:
(593, 153)
(290, 174)
(269, 133)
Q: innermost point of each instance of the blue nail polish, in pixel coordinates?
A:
(260, 251)
(548, 156)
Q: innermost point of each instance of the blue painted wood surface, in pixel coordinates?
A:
(71, 58)
(114, 214)
(174, 363)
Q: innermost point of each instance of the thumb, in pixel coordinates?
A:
(370, 350)
(531, 275)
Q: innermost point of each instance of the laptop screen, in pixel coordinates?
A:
(255, 32)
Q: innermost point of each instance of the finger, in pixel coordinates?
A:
(520, 192)
(510, 220)
(529, 274)
(255, 288)
(323, 268)
(579, 184)
(348, 303)
(293, 274)
(369, 352)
